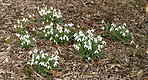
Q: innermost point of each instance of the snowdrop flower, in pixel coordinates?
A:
(28, 62)
(33, 29)
(132, 42)
(81, 33)
(89, 47)
(70, 25)
(46, 54)
(27, 36)
(103, 28)
(30, 16)
(26, 32)
(47, 26)
(137, 46)
(103, 42)
(41, 51)
(124, 34)
(61, 38)
(88, 58)
(113, 25)
(56, 52)
(76, 47)
(55, 64)
(111, 29)
(65, 37)
(48, 67)
(36, 62)
(56, 35)
(18, 35)
(124, 24)
(33, 39)
(37, 57)
(18, 21)
(99, 38)
(35, 50)
(56, 57)
(96, 52)
(116, 29)
(123, 27)
(127, 31)
(30, 52)
(43, 56)
(95, 40)
(14, 26)
(46, 35)
(40, 28)
(50, 38)
(44, 31)
(103, 21)
(119, 27)
(78, 26)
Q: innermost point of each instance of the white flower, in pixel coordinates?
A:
(46, 35)
(30, 52)
(103, 42)
(76, 47)
(14, 26)
(89, 47)
(40, 28)
(56, 35)
(18, 21)
(41, 51)
(103, 21)
(95, 40)
(116, 29)
(44, 31)
(30, 16)
(55, 64)
(43, 56)
(96, 52)
(56, 58)
(119, 27)
(123, 27)
(132, 42)
(46, 54)
(37, 57)
(70, 25)
(47, 26)
(33, 29)
(56, 52)
(33, 39)
(28, 62)
(51, 8)
(50, 38)
(124, 24)
(137, 46)
(103, 28)
(111, 29)
(48, 32)
(124, 34)
(78, 26)
(99, 38)
(18, 35)
(27, 36)
(48, 67)
(36, 62)
(81, 33)
(26, 32)
(35, 50)
(127, 31)
(113, 25)
(88, 58)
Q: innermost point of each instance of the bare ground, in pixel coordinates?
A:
(119, 62)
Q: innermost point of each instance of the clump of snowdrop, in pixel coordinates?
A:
(25, 41)
(50, 15)
(87, 44)
(56, 33)
(42, 61)
(119, 32)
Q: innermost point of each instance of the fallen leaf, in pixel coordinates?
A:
(139, 75)
(58, 74)
(147, 8)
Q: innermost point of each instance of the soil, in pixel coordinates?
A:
(119, 63)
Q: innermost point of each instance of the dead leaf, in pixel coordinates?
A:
(139, 75)
(147, 8)
(147, 51)
(58, 74)
(56, 45)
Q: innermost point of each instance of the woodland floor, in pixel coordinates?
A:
(85, 13)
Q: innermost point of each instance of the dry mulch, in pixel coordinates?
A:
(119, 62)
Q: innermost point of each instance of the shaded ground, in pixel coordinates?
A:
(120, 62)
